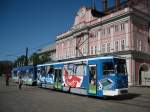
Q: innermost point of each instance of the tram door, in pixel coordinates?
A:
(57, 78)
(92, 79)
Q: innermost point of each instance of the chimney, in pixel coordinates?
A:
(117, 4)
(105, 5)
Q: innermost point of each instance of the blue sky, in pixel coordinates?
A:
(35, 23)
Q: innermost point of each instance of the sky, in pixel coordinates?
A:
(35, 23)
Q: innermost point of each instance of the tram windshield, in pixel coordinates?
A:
(120, 65)
(108, 68)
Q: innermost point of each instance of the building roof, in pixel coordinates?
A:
(48, 48)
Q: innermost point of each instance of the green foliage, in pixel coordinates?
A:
(45, 58)
(39, 59)
(20, 61)
(35, 59)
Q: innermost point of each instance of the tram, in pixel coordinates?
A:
(27, 73)
(99, 76)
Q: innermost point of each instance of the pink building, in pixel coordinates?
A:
(123, 31)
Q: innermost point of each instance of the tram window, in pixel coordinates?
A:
(15, 73)
(75, 69)
(121, 69)
(108, 68)
(38, 71)
(50, 69)
(43, 71)
(23, 74)
(29, 74)
(121, 66)
(80, 70)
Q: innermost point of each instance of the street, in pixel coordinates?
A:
(34, 99)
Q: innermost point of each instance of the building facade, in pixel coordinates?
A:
(49, 50)
(123, 31)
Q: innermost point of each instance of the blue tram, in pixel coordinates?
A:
(27, 73)
(100, 76)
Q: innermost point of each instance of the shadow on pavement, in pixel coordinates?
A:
(123, 97)
(118, 98)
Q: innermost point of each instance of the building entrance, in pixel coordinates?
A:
(144, 75)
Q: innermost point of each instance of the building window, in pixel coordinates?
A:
(66, 54)
(116, 28)
(108, 30)
(95, 50)
(122, 44)
(108, 47)
(139, 45)
(99, 34)
(116, 46)
(103, 32)
(92, 51)
(84, 51)
(103, 48)
(96, 34)
(100, 50)
(122, 26)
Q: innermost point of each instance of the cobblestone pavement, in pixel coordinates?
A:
(34, 99)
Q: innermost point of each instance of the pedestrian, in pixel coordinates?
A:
(7, 79)
(20, 82)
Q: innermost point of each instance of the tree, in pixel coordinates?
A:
(45, 57)
(35, 59)
(39, 59)
(20, 61)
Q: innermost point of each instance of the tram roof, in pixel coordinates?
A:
(23, 68)
(78, 60)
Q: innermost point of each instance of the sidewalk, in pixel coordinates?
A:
(140, 90)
